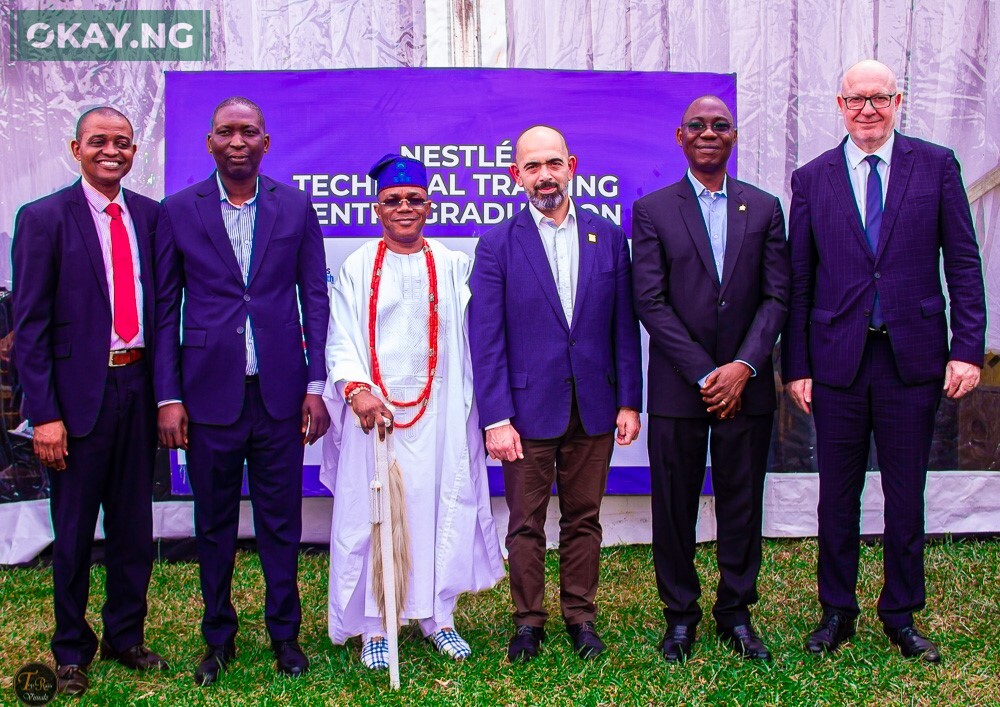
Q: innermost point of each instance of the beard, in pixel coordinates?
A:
(548, 202)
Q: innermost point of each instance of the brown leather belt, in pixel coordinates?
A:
(117, 359)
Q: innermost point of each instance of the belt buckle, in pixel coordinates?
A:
(111, 358)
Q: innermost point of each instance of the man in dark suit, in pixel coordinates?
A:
(557, 370)
(83, 314)
(711, 288)
(243, 253)
(866, 348)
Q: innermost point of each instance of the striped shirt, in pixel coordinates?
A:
(102, 221)
(240, 221)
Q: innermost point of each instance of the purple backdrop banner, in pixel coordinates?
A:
(327, 128)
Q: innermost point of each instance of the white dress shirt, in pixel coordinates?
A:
(562, 249)
(858, 169)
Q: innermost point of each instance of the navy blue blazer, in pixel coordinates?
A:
(835, 274)
(62, 308)
(525, 356)
(199, 283)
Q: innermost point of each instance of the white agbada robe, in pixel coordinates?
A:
(453, 540)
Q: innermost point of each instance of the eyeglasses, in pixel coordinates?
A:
(393, 203)
(720, 127)
(878, 101)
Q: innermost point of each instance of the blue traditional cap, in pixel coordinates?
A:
(398, 171)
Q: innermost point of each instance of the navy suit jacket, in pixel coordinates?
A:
(62, 308)
(205, 364)
(835, 274)
(695, 323)
(525, 356)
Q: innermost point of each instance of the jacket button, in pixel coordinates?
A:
(246, 298)
(722, 303)
(877, 276)
(572, 342)
(240, 330)
(868, 312)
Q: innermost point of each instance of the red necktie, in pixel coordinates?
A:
(126, 314)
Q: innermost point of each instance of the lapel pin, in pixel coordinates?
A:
(592, 237)
(743, 207)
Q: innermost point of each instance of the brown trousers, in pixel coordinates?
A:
(578, 464)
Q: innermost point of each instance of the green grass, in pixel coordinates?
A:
(962, 615)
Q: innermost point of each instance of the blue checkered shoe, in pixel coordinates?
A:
(375, 654)
(448, 642)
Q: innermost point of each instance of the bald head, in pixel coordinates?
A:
(540, 136)
(99, 112)
(707, 105)
(865, 72)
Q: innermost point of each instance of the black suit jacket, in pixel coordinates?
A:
(62, 308)
(695, 323)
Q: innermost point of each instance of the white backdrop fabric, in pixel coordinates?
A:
(788, 57)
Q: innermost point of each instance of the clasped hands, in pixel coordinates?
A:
(723, 389)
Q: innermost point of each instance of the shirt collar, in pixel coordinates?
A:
(98, 202)
(855, 155)
(700, 188)
(224, 195)
(538, 216)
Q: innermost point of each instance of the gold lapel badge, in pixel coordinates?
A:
(743, 207)
(592, 237)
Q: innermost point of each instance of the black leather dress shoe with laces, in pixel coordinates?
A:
(289, 658)
(525, 643)
(833, 630)
(138, 657)
(586, 642)
(912, 644)
(745, 641)
(676, 643)
(213, 663)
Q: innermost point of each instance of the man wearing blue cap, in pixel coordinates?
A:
(410, 295)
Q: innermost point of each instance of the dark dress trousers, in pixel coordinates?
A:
(886, 386)
(62, 332)
(233, 417)
(695, 324)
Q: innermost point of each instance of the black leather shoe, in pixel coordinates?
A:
(586, 642)
(833, 630)
(525, 643)
(745, 641)
(676, 643)
(213, 663)
(138, 657)
(290, 658)
(912, 644)
(72, 679)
